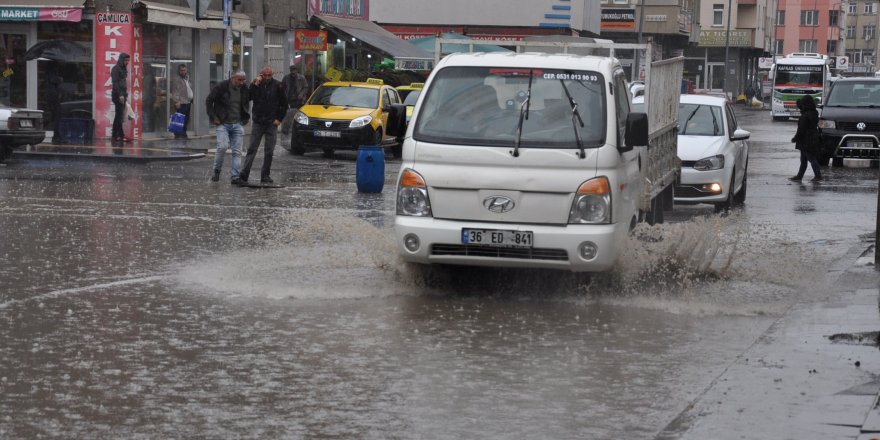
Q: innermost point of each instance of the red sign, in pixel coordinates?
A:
(115, 34)
(310, 40)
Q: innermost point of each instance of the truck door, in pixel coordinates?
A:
(630, 159)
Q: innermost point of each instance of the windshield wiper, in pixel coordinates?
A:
(523, 112)
(691, 116)
(714, 123)
(575, 119)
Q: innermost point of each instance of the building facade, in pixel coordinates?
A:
(858, 36)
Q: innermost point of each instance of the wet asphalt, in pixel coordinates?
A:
(138, 299)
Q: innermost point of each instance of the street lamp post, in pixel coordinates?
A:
(636, 75)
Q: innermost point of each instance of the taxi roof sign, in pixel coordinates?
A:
(377, 81)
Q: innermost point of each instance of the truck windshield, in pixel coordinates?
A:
(346, 96)
(799, 77)
(481, 106)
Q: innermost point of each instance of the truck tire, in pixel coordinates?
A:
(655, 215)
(780, 118)
(836, 161)
(328, 152)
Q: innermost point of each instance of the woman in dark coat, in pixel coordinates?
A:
(807, 139)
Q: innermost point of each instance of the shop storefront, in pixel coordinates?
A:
(46, 57)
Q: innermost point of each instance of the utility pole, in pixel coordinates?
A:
(727, 46)
(227, 32)
(636, 75)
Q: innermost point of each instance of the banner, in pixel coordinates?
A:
(115, 34)
(310, 40)
(9, 13)
(618, 19)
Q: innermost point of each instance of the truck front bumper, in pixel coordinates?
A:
(555, 247)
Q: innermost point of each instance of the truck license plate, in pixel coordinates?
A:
(497, 237)
(860, 144)
(25, 123)
(326, 133)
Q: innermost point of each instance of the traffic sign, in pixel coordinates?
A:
(843, 62)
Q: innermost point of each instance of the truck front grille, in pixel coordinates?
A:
(462, 250)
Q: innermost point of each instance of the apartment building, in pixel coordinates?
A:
(858, 36)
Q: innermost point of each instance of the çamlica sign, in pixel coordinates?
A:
(310, 40)
(115, 34)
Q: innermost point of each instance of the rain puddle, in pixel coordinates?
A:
(706, 265)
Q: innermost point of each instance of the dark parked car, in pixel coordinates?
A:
(19, 127)
(850, 121)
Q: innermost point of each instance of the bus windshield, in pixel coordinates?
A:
(799, 76)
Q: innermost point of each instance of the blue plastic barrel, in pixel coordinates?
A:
(370, 168)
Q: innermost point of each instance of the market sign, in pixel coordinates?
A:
(8, 13)
(738, 38)
(618, 19)
(310, 40)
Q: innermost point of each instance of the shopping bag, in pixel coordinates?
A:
(176, 124)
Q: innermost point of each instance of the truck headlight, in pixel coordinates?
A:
(592, 202)
(825, 123)
(362, 121)
(301, 118)
(710, 163)
(412, 195)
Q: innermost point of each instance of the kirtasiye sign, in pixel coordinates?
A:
(738, 38)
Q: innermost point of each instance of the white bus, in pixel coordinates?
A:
(794, 76)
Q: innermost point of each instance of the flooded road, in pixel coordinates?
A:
(143, 301)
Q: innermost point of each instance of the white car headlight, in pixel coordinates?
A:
(710, 163)
(301, 118)
(825, 123)
(361, 121)
(592, 202)
(412, 195)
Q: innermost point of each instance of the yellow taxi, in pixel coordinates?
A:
(343, 115)
(410, 94)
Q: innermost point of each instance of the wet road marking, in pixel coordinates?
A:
(76, 290)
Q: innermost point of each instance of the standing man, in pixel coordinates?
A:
(119, 80)
(227, 109)
(270, 106)
(296, 88)
(181, 97)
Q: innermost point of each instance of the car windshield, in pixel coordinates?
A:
(482, 106)
(346, 96)
(854, 94)
(700, 120)
(412, 97)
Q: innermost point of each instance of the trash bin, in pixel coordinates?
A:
(370, 171)
(76, 131)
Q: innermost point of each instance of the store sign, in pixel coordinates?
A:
(618, 19)
(115, 34)
(310, 40)
(738, 38)
(357, 9)
(39, 14)
(413, 64)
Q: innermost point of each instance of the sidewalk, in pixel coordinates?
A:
(146, 150)
(812, 375)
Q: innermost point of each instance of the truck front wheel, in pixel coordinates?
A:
(5, 153)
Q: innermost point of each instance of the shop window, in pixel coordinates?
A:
(64, 86)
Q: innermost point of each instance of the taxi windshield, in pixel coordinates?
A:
(346, 96)
(482, 106)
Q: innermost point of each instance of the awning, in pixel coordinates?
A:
(42, 10)
(182, 16)
(405, 54)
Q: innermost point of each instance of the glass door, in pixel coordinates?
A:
(715, 76)
(13, 69)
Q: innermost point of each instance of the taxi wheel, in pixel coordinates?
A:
(377, 138)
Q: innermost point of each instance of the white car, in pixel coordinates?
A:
(714, 152)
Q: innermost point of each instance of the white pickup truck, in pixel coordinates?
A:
(534, 160)
(19, 127)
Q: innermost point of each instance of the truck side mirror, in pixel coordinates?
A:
(636, 131)
(396, 120)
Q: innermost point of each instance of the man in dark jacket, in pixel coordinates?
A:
(119, 80)
(807, 139)
(227, 107)
(270, 106)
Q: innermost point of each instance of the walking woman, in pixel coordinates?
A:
(807, 139)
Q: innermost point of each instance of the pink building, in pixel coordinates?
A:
(808, 26)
